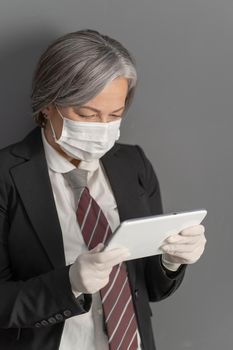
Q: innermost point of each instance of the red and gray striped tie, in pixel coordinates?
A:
(120, 319)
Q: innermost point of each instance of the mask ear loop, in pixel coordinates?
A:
(59, 112)
(53, 132)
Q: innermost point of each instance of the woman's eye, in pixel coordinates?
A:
(116, 116)
(96, 116)
(87, 116)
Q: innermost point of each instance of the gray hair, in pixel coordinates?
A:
(76, 67)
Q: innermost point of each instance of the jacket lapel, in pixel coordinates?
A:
(33, 184)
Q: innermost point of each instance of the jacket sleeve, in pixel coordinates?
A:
(160, 282)
(40, 301)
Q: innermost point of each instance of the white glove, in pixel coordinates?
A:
(90, 271)
(186, 247)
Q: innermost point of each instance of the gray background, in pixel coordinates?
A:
(181, 115)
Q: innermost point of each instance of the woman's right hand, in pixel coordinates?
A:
(90, 271)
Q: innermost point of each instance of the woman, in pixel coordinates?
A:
(63, 190)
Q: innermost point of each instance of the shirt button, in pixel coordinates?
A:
(100, 311)
(52, 320)
(67, 313)
(136, 293)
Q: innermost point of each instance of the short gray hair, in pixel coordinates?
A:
(76, 67)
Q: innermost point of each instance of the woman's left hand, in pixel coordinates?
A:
(186, 247)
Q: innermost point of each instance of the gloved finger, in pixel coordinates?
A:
(175, 249)
(95, 285)
(192, 254)
(193, 231)
(186, 240)
(100, 272)
(189, 258)
(107, 259)
(181, 239)
(97, 248)
(103, 283)
(116, 261)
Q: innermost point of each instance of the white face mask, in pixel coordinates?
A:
(87, 140)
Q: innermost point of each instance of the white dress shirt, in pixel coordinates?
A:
(84, 332)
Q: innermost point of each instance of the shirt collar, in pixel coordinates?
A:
(59, 164)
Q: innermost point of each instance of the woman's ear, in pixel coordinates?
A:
(47, 111)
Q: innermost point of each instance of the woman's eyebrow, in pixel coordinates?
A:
(96, 110)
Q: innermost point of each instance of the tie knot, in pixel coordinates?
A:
(77, 178)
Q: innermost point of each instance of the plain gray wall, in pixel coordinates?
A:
(181, 116)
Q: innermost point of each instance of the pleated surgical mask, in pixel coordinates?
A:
(87, 140)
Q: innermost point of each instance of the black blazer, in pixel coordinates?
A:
(35, 292)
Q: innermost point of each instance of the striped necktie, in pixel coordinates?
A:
(119, 315)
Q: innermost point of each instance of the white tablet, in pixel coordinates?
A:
(144, 236)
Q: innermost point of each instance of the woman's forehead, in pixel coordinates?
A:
(113, 94)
